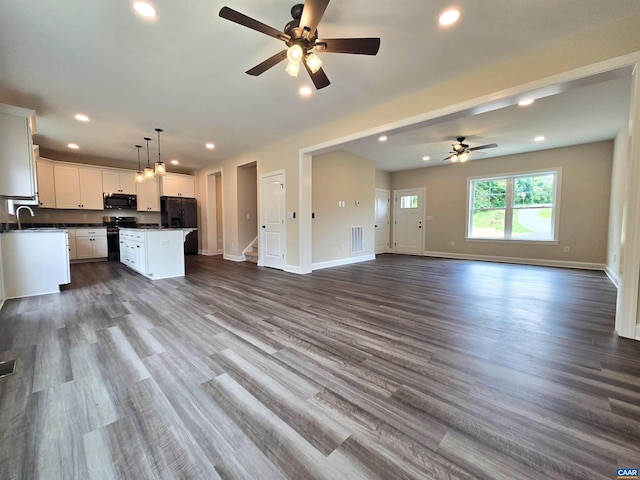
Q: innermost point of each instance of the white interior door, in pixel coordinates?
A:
(272, 233)
(408, 233)
(382, 220)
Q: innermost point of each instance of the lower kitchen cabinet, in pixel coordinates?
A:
(153, 253)
(90, 243)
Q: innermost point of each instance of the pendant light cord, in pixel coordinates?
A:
(148, 140)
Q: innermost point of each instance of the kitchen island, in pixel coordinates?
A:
(34, 262)
(154, 252)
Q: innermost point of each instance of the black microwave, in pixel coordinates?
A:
(120, 201)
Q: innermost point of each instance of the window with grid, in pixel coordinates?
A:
(514, 207)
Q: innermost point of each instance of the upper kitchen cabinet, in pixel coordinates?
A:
(118, 181)
(78, 187)
(148, 196)
(46, 186)
(175, 185)
(17, 166)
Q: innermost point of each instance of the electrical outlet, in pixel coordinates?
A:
(46, 216)
(84, 216)
(248, 216)
(567, 249)
(453, 244)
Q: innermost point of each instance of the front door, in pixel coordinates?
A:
(272, 233)
(382, 221)
(408, 233)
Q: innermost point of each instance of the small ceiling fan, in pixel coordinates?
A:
(301, 37)
(461, 150)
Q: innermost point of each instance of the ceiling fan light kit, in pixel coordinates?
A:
(461, 151)
(301, 37)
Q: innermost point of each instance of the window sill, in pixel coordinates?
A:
(507, 240)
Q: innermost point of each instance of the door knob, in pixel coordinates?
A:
(264, 226)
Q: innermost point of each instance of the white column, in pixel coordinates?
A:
(306, 209)
(627, 311)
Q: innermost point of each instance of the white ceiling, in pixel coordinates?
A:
(185, 73)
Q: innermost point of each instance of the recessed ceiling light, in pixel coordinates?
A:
(382, 138)
(145, 9)
(174, 162)
(305, 91)
(426, 158)
(449, 17)
(82, 117)
(525, 102)
(73, 146)
(539, 138)
(210, 146)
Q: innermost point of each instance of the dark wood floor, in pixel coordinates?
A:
(398, 368)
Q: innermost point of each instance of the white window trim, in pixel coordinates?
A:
(556, 207)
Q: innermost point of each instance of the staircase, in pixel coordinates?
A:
(251, 252)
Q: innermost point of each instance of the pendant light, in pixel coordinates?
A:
(148, 172)
(160, 168)
(139, 174)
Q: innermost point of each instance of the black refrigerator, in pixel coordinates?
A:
(179, 212)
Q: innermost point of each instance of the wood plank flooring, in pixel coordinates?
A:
(398, 368)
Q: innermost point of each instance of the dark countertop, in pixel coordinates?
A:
(7, 227)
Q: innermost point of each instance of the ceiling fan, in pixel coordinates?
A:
(301, 37)
(461, 150)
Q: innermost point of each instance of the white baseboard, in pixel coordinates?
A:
(234, 258)
(342, 261)
(204, 252)
(520, 261)
(1, 304)
(294, 269)
(612, 276)
(638, 331)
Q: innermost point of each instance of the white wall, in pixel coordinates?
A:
(584, 206)
(342, 177)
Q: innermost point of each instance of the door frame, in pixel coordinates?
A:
(388, 195)
(261, 239)
(210, 195)
(396, 194)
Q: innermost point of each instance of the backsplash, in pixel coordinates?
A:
(48, 215)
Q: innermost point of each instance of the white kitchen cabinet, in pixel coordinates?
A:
(155, 254)
(46, 185)
(148, 196)
(91, 243)
(176, 185)
(77, 187)
(34, 262)
(119, 181)
(72, 243)
(132, 249)
(17, 163)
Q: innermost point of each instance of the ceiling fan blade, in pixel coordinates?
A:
(267, 64)
(241, 19)
(311, 16)
(319, 79)
(482, 147)
(445, 159)
(358, 46)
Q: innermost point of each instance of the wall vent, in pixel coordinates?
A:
(357, 233)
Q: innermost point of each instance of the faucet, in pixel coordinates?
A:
(18, 214)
